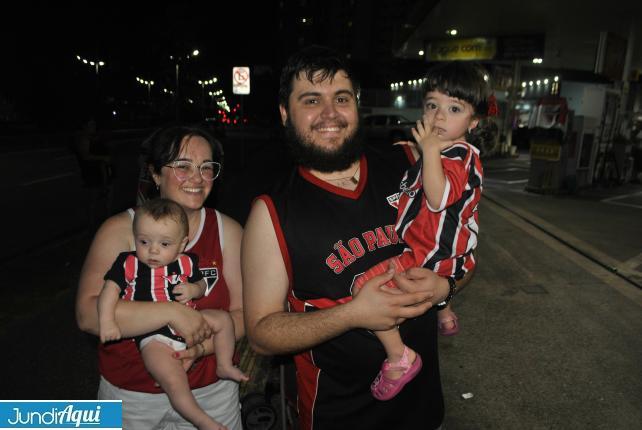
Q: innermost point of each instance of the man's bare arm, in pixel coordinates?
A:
(272, 330)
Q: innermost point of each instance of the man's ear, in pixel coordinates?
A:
(284, 114)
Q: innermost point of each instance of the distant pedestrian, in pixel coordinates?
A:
(94, 159)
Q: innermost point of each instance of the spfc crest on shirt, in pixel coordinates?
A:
(210, 274)
(393, 200)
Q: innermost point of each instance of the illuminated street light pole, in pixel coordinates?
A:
(202, 84)
(96, 64)
(178, 60)
(149, 87)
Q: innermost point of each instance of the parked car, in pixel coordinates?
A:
(387, 128)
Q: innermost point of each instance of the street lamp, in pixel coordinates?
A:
(94, 63)
(202, 84)
(149, 87)
(178, 60)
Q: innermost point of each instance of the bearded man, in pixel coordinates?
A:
(307, 241)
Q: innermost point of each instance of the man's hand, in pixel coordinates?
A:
(375, 309)
(418, 279)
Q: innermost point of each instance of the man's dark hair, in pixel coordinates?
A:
(310, 61)
(460, 79)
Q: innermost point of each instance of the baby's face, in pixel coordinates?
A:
(158, 242)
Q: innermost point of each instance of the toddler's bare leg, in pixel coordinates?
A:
(224, 342)
(169, 374)
(394, 346)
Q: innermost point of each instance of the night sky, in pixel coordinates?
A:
(44, 82)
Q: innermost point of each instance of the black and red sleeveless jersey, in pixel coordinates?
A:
(328, 237)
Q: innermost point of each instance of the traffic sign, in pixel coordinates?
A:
(241, 80)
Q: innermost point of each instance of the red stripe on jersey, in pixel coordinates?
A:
(279, 234)
(307, 384)
(159, 284)
(350, 194)
(409, 154)
(187, 268)
(131, 272)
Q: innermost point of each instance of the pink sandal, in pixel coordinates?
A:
(385, 388)
(448, 331)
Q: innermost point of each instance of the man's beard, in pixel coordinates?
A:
(308, 155)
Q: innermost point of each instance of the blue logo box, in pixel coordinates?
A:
(61, 414)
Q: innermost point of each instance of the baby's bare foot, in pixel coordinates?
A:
(231, 372)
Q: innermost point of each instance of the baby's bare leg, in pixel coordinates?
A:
(224, 342)
(169, 374)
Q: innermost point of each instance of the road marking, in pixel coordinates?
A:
(50, 178)
(501, 181)
(633, 262)
(611, 200)
(519, 217)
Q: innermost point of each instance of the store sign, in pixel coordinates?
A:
(549, 151)
(478, 48)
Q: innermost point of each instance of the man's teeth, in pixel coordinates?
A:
(328, 129)
(193, 190)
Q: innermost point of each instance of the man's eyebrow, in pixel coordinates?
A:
(308, 94)
(317, 94)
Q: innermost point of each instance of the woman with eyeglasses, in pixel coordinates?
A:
(183, 162)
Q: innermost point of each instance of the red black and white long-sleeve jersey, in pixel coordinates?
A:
(442, 239)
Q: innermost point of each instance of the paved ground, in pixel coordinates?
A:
(550, 332)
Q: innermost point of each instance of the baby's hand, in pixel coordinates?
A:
(109, 331)
(186, 291)
(427, 138)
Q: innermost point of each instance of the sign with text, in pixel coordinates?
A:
(478, 48)
(241, 80)
(61, 414)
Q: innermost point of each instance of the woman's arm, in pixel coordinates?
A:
(133, 318)
(232, 234)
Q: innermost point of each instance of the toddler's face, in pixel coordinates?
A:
(158, 242)
(449, 117)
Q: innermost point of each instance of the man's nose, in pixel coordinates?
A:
(329, 110)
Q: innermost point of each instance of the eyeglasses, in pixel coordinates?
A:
(184, 170)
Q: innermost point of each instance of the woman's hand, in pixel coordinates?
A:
(190, 324)
(190, 355)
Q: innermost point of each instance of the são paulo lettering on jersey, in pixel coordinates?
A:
(356, 247)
